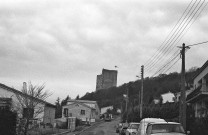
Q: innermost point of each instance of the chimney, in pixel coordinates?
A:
(24, 86)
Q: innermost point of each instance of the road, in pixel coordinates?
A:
(106, 128)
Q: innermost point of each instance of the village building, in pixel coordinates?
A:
(198, 98)
(168, 97)
(156, 100)
(85, 110)
(8, 98)
(105, 109)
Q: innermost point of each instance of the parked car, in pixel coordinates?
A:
(165, 128)
(123, 129)
(132, 129)
(118, 127)
(107, 116)
(145, 122)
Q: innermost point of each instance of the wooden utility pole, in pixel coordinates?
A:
(182, 113)
(139, 100)
(141, 93)
(121, 110)
(127, 100)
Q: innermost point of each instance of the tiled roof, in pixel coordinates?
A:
(20, 93)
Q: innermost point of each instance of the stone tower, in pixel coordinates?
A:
(107, 79)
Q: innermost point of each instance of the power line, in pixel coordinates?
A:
(198, 43)
(179, 26)
(166, 70)
(160, 70)
(185, 27)
(146, 64)
(176, 37)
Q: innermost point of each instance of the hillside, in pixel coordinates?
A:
(153, 87)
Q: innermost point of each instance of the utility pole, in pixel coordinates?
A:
(121, 110)
(127, 100)
(182, 109)
(141, 93)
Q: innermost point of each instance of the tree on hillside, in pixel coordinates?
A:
(153, 88)
(77, 98)
(30, 103)
(64, 102)
(58, 112)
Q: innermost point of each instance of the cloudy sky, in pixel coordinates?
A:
(66, 43)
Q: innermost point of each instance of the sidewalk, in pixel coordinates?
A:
(78, 132)
(85, 128)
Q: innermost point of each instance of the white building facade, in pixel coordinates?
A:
(198, 98)
(47, 115)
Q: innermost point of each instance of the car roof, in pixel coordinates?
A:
(150, 120)
(165, 123)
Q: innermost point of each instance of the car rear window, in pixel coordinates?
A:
(167, 128)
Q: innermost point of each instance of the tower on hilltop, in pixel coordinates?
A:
(107, 79)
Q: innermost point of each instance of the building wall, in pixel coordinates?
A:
(168, 97)
(75, 110)
(96, 107)
(200, 106)
(104, 109)
(99, 82)
(109, 78)
(97, 111)
(49, 115)
(16, 105)
(92, 104)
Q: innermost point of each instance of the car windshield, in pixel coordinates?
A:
(167, 128)
(135, 126)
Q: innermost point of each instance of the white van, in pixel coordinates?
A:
(145, 122)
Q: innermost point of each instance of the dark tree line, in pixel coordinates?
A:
(153, 88)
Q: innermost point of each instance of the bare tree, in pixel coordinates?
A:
(31, 101)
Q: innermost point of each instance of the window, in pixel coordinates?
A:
(65, 112)
(149, 129)
(134, 126)
(5, 103)
(82, 112)
(166, 128)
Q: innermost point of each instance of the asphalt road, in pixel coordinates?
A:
(106, 128)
